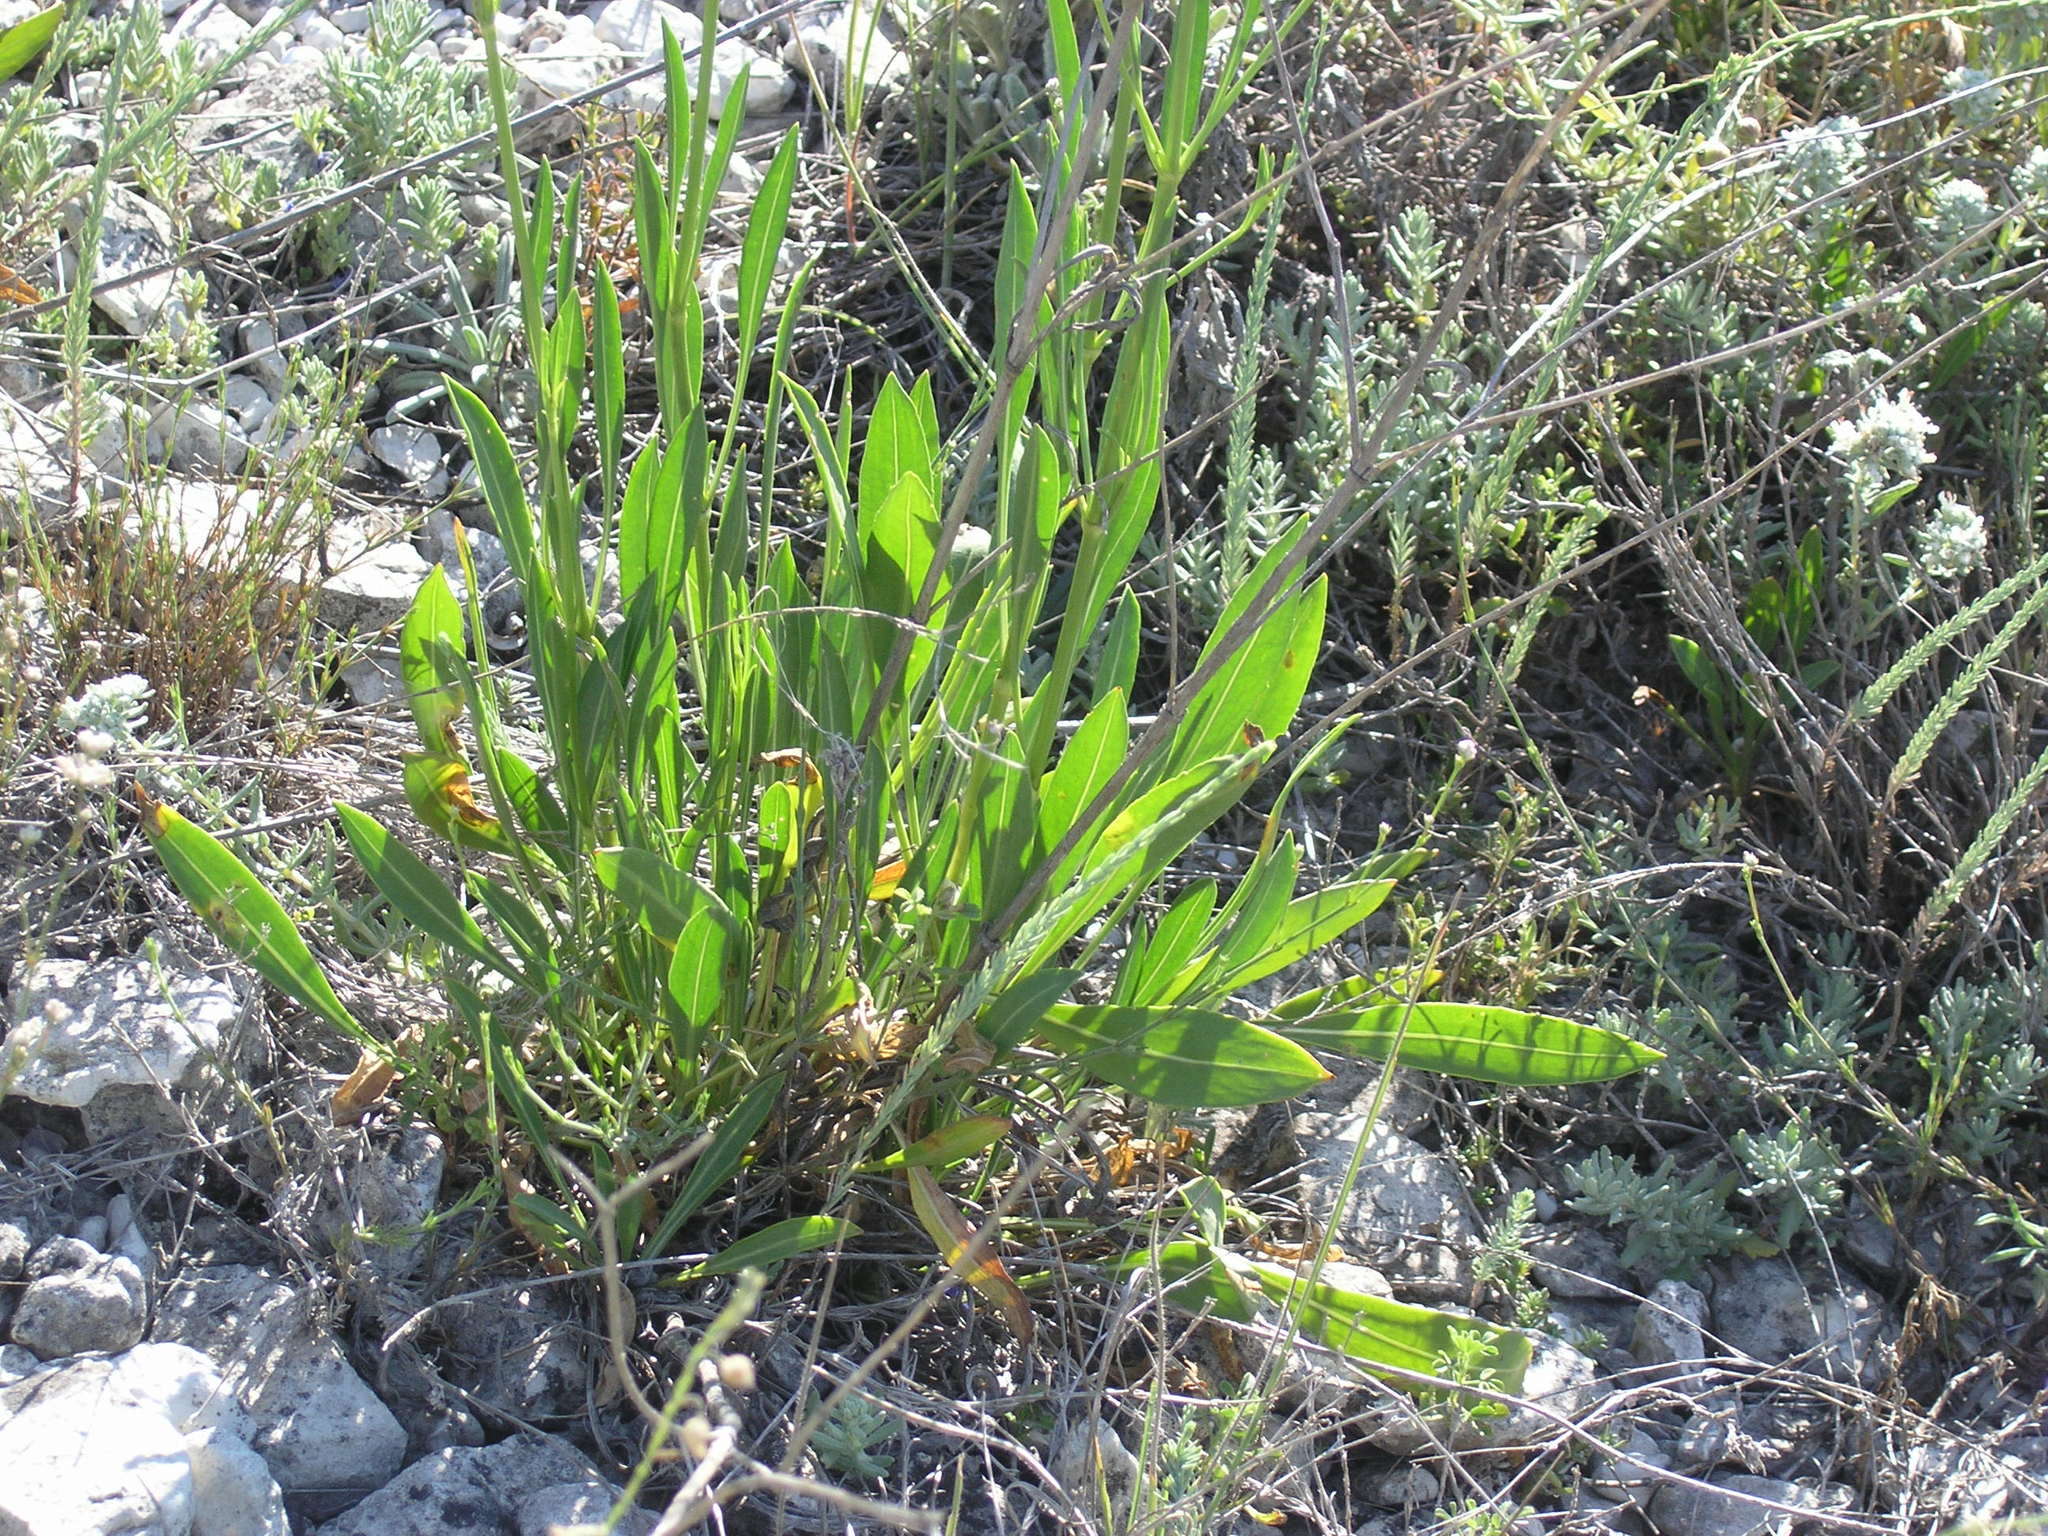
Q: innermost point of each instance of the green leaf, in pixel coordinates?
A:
(1151, 963)
(1095, 751)
(504, 492)
(1186, 1058)
(1487, 1045)
(1305, 925)
(1016, 1012)
(1196, 1280)
(769, 1247)
(1118, 667)
(1260, 685)
(766, 225)
(948, 1145)
(430, 661)
(718, 1163)
(1143, 844)
(240, 909)
(417, 893)
(1392, 1335)
(20, 43)
(661, 897)
(696, 973)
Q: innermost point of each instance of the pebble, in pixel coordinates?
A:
(1725, 1508)
(94, 1308)
(1670, 1327)
(321, 34)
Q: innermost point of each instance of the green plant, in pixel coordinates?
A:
(863, 837)
(1779, 616)
(394, 100)
(1504, 1261)
(1675, 1223)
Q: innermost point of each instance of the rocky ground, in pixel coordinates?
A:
(225, 1313)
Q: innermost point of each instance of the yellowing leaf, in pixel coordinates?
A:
(887, 879)
(970, 1257)
(438, 789)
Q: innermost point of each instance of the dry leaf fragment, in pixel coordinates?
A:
(370, 1081)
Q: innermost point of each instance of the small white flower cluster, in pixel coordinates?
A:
(2030, 176)
(1820, 161)
(1957, 210)
(1885, 445)
(1973, 97)
(106, 717)
(1952, 541)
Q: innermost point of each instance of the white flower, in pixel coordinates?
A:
(1886, 444)
(115, 705)
(1952, 540)
(1819, 161)
(87, 775)
(2030, 176)
(1972, 97)
(1959, 209)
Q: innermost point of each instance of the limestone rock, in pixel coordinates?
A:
(316, 1423)
(86, 1026)
(464, 1490)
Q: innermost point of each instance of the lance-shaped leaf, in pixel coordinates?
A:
(1392, 1335)
(947, 1145)
(240, 909)
(771, 1245)
(970, 1256)
(1187, 1058)
(1487, 1045)
(418, 894)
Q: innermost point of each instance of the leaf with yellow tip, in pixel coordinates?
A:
(967, 1253)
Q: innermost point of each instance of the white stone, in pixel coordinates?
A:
(1559, 1386)
(352, 19)
(413, 453)
(100, 1308)
(1408, 1214)
(376, 573)
(249, 402)
(1763, 1309)
(1728, 1508)
(99, 1444)
(233, 1493)
(217, 33)
(200, 438)
(212, 526)
(768, 84)
(114, 1022)
(316, 1423)
(374, 680)
(33, 459)
(557, 75)
(321, 34)
(587, 1503)
(840, 42)
(260, 357)
(134, 236)
(634, 27)
(464, 1489)
(1670, 1327)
